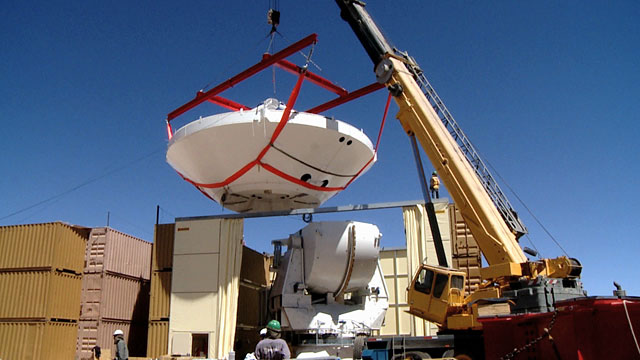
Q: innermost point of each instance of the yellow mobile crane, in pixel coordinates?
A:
(437, 292)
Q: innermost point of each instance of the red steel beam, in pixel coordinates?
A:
(204, 96)
(313, 78)
(228, 104)
(343, 99)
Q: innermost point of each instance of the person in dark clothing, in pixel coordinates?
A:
(97, 352)
(272, 348)
(434, 186)
(122, 352)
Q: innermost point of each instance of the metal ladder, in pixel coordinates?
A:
(491, 186)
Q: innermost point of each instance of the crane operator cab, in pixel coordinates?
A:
(436, 292)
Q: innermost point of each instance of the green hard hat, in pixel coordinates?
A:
(435, 173)
(274, 325)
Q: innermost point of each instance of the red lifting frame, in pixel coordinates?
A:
(277, 59)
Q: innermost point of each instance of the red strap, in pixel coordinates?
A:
(384, 118)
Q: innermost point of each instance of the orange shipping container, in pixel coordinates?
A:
(250, 306)
(255, 267)
(37, 246)
(112, 251)
(470, 265)
(39, 295)
(463, 243)
(163, 247)
(159, 302)
(37, 340)
(158, 339)
(100, 332)
(106, 296)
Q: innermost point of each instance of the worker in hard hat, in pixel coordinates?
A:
(434, 186)
(272, 347)
(122, 352)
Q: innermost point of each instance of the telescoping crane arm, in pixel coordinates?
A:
(436, 292)
(418, 117)
(486, 211)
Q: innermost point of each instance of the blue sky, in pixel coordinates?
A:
(547, 91)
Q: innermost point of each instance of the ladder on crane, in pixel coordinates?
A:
(482, 171)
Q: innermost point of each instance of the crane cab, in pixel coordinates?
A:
(436, 292)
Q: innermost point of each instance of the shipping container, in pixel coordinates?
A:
(158, 339)
(107, 296)
(251, 300)
(109, 250)
(255, 267)
(39, 246)
(42, 295)
(37, 340)
(163, 247)
(463, 244)
(471, 266)
(100, 332)
(159, 301)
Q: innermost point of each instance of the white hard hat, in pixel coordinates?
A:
(263, 331)
(118, 332)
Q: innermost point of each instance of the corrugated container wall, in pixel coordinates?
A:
(115, 291)
(100, 332)
(159, 302)
(252, 294)
(466, 252)
(40, 295)
(112, 251)
(37, 340)
(158, 343)
(114, 297)
(163, 247)
(36, 246)
(255, 267)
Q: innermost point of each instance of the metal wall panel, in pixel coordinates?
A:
(163, 239)
(100, 332)
(159, 302)
(40, 295)
(49, 245)
(196, 312)
(37, 340)
(470, 265)
(189, 273)
(463, 243)
(197, 237)
(249, 305)
(113, 251)
(115, 297)
(393, 262)
(158, 339)
(466, 252)
(255, 267)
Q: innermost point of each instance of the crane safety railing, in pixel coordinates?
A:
(482, 171)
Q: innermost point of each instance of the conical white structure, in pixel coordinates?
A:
(228, 157)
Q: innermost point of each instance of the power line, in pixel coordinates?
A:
(82, 184)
